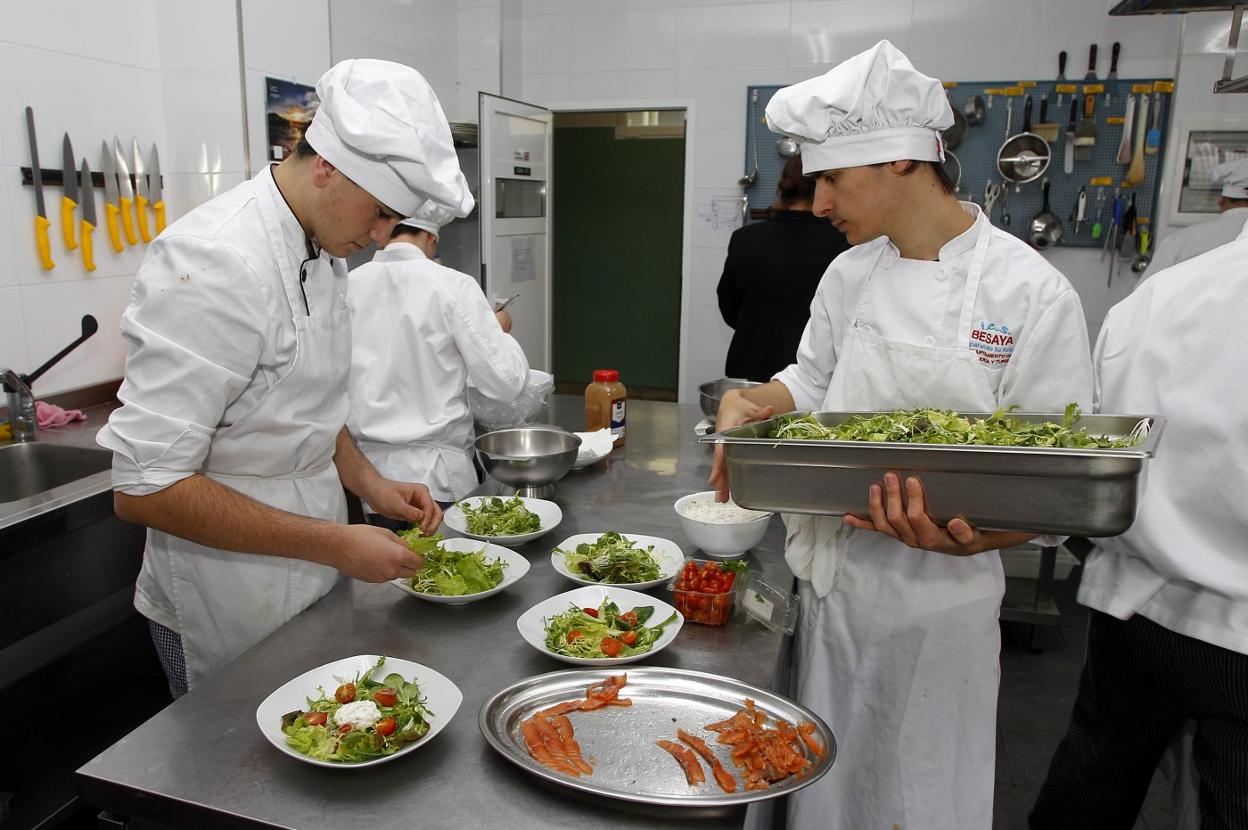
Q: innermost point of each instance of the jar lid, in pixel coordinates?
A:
(606, 375)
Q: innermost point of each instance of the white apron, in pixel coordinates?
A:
(280, 454)
(902, 656)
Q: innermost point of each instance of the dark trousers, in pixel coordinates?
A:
(1140, 683)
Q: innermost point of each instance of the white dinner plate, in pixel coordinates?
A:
(547, 511)
(516, 567)
(666, 552)
(442, 699)
(532, 625)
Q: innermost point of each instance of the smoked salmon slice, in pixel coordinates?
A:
(723, 777)
(688, 761)
(564, 727)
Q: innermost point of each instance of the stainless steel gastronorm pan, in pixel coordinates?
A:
(1062, 491)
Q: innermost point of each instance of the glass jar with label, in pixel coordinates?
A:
(606, 404)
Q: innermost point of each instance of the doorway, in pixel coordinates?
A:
(616, 248)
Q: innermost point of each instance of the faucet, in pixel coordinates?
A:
(21, 400)
(21, 405)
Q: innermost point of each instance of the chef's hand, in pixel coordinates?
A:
(910, 523)
(734, 410)
(374, 554)
(504, 319)
(406, 501)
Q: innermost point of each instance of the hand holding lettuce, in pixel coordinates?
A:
(450, 573)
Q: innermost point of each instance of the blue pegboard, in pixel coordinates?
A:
(978, 154)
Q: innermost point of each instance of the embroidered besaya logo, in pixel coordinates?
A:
(992, 342)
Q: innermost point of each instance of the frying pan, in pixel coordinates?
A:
(973, 109)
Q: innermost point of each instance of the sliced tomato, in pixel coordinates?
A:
(344, 729)
(574, 635)
(611, 646)
(593, 612)
(386, 726)
(628, 638)
(629, 618)
(385, 696)
(345, 693)
(315, 718)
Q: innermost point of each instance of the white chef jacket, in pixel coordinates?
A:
(1174, 348)
(421, 332)
(1194, 240)
(1027, 320)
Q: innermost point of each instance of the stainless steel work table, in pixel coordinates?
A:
(202, 763)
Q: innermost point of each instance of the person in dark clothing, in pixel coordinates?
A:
(770, 276)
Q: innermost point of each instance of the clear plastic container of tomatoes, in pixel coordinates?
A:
(703, 589)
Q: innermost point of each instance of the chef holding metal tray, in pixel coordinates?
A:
(898, 645)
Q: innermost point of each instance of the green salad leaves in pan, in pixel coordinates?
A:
(500, 517)
(603, 632)
(363, 719)
(450, 573)
(939, 426)
(614, 560)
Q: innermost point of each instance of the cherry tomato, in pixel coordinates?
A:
(628, 638)
(575, 634)
(386, 726)
(315, 718)
(385, 696)
(629, 618)
(344, 729)
(611, 646)
(345, 693)
(593, 612)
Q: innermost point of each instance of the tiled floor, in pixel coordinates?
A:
(1037, 693)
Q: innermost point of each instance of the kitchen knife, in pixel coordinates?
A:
(88, 217)
(127, 193)
(141, 199)
(1135, 173)
(1113, 69)
(41, 211)
(1091, 76)
(69, 183)
(110, 197)
(1061, 65)
(158, 194)
(1153, 141)
(1068, 163)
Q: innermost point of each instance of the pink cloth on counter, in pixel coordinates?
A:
(49, 415)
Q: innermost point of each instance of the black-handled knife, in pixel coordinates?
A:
(1091, 76)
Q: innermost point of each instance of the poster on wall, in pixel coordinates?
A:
(289, 108)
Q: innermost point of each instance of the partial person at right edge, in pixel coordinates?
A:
(1195, 240)
(421, 334)
(770, 276)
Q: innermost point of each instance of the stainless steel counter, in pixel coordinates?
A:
(203, 763)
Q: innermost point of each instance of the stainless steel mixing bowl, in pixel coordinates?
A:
(529, 458)
(711, 392)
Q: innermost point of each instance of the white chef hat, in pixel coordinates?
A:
(430, 217)
(381, 125)
(1233, 176)
(874, 107)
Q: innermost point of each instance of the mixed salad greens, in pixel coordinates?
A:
(940, 426)
(362, 720)
(498, 517)
(450, 573)
(612, 559)
(603, 632)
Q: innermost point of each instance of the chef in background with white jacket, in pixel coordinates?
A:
(421, 333)
(898, 642)
(1195, 240)
(1168, 631)
(231, 443)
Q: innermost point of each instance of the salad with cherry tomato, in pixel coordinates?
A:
(703, 590)
(363, 719)
(603, 632)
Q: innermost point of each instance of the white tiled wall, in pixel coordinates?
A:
(709, 51)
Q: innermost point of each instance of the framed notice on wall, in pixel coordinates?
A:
(289, 108)
(1202, 145)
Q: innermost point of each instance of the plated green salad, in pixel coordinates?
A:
(603, 632)
(362, 720)
(500, 517)
(450, 573)
(940, 426)
(614, 560)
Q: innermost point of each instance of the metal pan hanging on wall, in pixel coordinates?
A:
(1024, 157)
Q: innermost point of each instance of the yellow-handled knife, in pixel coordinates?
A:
(126, 197)
(110, 198)
(158, 193)
(69, 181)
(88, 217)
(41, 211)
(141, 199)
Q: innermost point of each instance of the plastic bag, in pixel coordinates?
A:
(532, 405)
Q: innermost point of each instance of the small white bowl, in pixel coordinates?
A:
(666, 552)
(720, 540)
(517, 566)
(532, 623)
(547, 511)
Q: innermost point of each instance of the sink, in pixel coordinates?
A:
(28, 469)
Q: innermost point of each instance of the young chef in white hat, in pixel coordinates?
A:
(421, 333)
(898, 645)
(1195, 240)
(230, 443)
(1168, 632)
